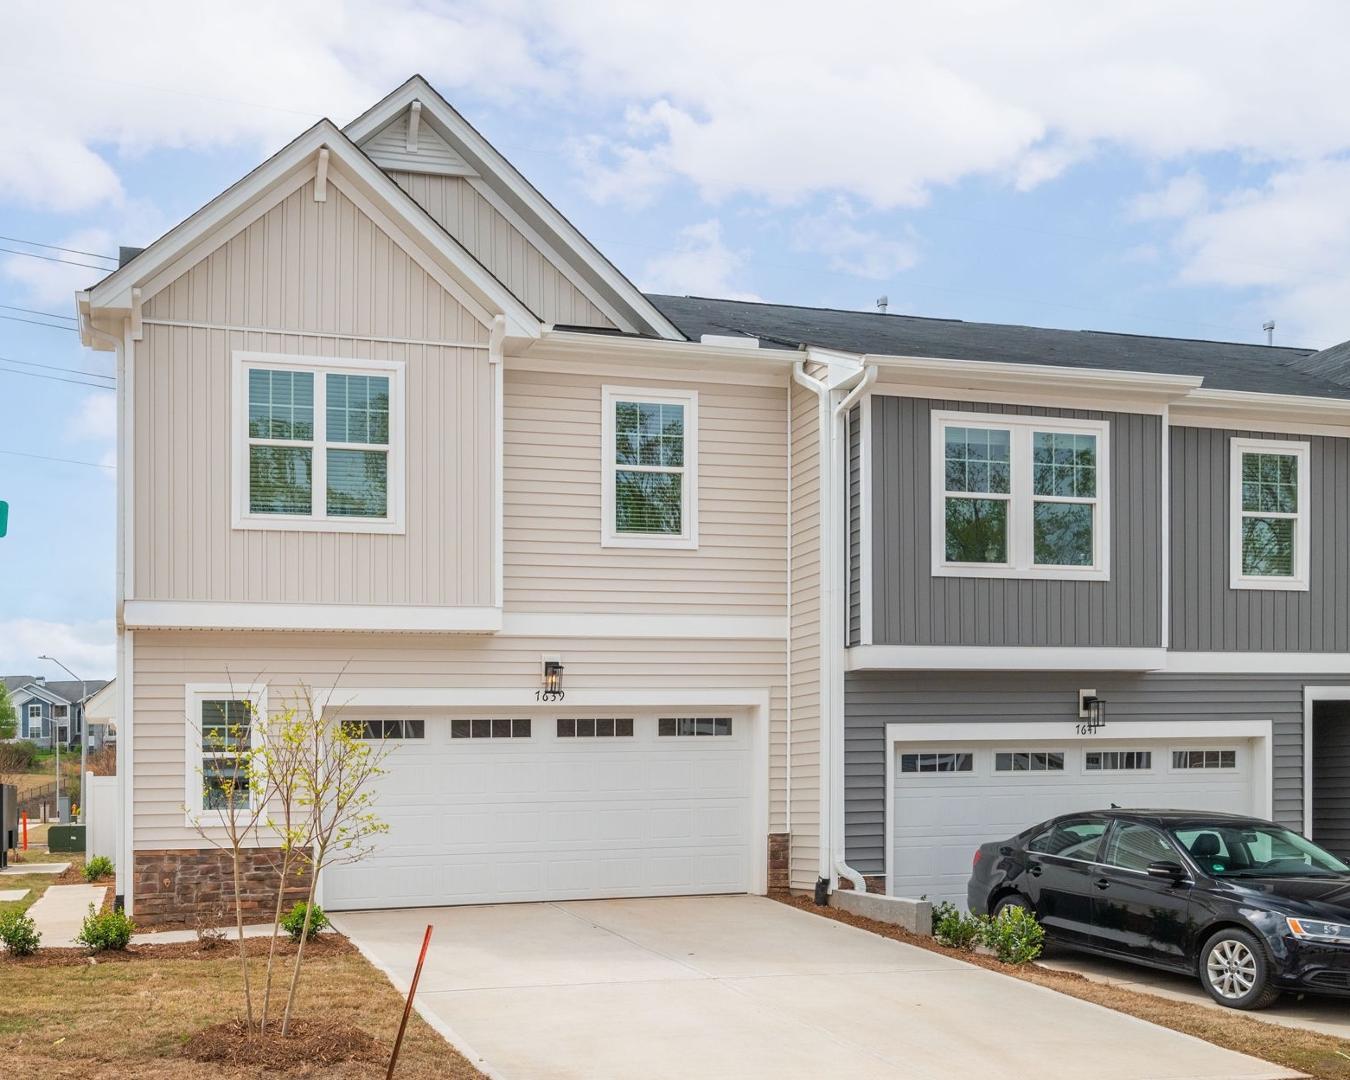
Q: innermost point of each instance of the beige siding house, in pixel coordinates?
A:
(395, 436)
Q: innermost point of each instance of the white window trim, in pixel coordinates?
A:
(1299, 582)
(609, 535)
(1063, 770)
(318, 520)
(1151, 751)
(1234, 749)
(194, 695)
(34, 712)
(1020, 496)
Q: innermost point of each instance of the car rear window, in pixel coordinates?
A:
(1071, 839)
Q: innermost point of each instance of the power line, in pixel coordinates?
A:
(57, 247)
(56, 378)
(34, 311)
(35, 322)
(53, 258)
(66, 460)
(53, 367)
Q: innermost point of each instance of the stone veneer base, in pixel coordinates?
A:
(185, 885)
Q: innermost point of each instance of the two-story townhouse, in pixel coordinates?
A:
(1082, 569)
(49, 712)
(395, 437)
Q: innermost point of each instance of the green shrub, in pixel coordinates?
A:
(100, 866)
(293, 922)
(1014, 936)
(22, 756)
(955, 928)
(18, 933)
(106, 930)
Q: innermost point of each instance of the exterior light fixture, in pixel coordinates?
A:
(553, 675)
(1091, 712)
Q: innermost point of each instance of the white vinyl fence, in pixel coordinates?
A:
(103, 817)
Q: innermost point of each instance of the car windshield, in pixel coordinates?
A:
(1253, 850)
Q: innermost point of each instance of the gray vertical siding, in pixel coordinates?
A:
(1207, 615)
(1331, 776)
(912, 607)
(875, 699)
(854, 488)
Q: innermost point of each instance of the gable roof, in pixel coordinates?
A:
(24, 688)
(481, 159)
(1262, 369)
(174, 252)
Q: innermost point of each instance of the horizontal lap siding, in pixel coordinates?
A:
(804, 645)
(875, 699)
(1209, 616)
(166, 662)
(911, 606)
(507, 252)
(327, 269)
(554, 561)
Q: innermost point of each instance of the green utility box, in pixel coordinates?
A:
(69, 838)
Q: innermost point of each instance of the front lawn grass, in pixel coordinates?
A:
(1322, 1057)
(130, 1017)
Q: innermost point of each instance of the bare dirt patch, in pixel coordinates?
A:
(1323, 1057)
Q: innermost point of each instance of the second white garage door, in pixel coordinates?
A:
(948, 799)
(488, 809)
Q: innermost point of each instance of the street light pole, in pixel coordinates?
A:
(84, 739)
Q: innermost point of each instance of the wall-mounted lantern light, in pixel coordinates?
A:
(1091, 710)
(553, 675)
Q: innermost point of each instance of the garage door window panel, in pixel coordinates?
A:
(1029, 761)
(483, 727)
(1189, 760)
(595, 727)
(392, 730)
(1126, 761)
(934, 762)
(693, 726)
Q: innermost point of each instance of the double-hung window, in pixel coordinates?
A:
(1268, 515)
(318, 444)
(650, 468)
(222, 731)
(34, 720)
(1019, 496)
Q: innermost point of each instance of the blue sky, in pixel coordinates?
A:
(1133, 169)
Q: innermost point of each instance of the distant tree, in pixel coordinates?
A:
(9, 719)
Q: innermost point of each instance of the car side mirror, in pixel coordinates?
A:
(1167, 871)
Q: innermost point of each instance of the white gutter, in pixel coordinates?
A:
(832, 864)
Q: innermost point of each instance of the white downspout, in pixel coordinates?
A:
(497, 361)
(832, 864)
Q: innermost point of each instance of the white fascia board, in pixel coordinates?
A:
(113, 295)
(495, 170)
(1263, 412)
(1003, 731)
(696, 627)
(996, 377)
(1306, 665)
(1000, 658)
(379, 618)
(483, 697)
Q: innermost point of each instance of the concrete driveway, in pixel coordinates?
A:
(741, 987)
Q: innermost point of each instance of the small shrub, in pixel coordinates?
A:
(955, 928)
(293, 922)
(1015, 936)
(18, 933)
(100, 866)
(210, 928)
(106, 930)
(21, 756)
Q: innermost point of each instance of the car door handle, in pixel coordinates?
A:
(1102, 883)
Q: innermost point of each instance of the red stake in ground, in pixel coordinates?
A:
(407, 1007)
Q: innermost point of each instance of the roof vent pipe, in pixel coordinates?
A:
(1269, 327)
(883, 302)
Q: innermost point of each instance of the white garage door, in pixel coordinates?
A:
(488, 809)
(949, 799)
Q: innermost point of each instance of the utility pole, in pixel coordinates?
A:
(84, 738)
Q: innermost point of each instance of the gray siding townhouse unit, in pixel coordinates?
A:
(1038, 518)
(46, 712)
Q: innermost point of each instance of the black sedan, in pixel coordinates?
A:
(1250, 907)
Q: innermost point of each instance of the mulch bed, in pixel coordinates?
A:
(323, 945)
(308, 1043)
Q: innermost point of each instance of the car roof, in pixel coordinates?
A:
(1171, 818)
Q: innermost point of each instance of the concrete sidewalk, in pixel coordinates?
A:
(59, 912)
(742, 986)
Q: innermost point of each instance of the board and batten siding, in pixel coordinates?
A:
(324, 268)
(853, 482)
(166, 662)
(462, 211)
(1209, 616)
(911, 606)
(875, 699)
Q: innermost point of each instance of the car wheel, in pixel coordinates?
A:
(1235, 972)
(1012, 900)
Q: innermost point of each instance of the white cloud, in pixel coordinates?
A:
(95, 418)
(862, 252)
(1180, 197)
(1288, 239)
(53, 285)
(89, 648)
(700, 265)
